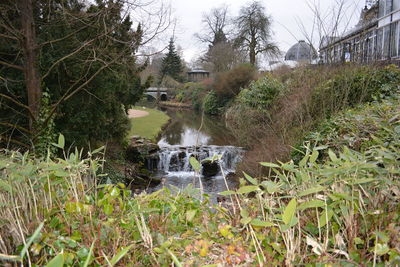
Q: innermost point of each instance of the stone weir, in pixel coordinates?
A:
(172, 160)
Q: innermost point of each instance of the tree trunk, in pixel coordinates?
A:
(252, 56)
(31, 73)
(252, 48)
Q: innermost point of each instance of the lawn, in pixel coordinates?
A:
(149, 126)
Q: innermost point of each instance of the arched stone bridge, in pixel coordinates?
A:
(158, 93)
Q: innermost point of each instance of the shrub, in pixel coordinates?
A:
(261, 93)
(228, 84)
(353, 87)
(210, 105)
(369, 125)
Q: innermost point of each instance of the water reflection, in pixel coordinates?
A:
(184, 130)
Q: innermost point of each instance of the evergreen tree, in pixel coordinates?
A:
(87, 67)
(172, 63)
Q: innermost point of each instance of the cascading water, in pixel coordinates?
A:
(189, 134)
(173, 167)
(175, 159)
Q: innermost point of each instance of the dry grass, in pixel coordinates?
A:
(270, 135)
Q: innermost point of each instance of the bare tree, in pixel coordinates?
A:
(328, 24)
(254, 31)
(215, 26)
(222, 57)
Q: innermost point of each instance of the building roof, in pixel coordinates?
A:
(301, 51)
(198, 71)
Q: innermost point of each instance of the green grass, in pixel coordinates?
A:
(149, 126)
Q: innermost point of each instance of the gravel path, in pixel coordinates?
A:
(134, 113)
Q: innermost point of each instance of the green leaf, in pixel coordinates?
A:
(98, 150)
(108, 209)
(270, 186)
(381, 249)
(30, 240)
(61, 141)
(57, 261)
(190, 215)
(314, 156)
(227, 193)
(115, 192)
(250, 179)
(174, 258)
(289, 211)
(269, 165)
(195, 164)
(325, 217)
(120, 255)
(87, 261)
(247, 189)
(245, 220)
(311, 204)
(312, 190)
(332, 155)
(259, 223)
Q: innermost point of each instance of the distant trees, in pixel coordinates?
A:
(231, 40)
(217, 30)
(215, 26)
(68, 65)
(172, 63)
(254, 31)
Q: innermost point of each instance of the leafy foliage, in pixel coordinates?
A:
(210, 105)
(261, 94)
(369, 125)
(355, 86)
(86, 60)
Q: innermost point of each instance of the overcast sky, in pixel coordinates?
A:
(285, 15)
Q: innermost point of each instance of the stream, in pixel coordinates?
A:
(189, 135)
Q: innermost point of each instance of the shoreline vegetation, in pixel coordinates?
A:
(333, 202)
(174, 104)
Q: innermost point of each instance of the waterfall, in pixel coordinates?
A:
(173, 160)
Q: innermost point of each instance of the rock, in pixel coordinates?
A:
(138, 179)
(210, 168)
(139, 149)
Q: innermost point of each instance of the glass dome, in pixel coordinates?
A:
(301, 51)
